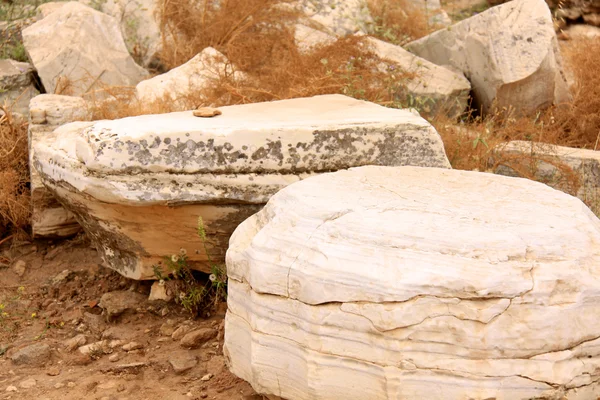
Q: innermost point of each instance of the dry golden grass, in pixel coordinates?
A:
(257, 38)
(399, 21)
(14, 176)
(237, 28)
(576, 124)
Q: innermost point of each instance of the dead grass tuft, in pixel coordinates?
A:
(14, 176)
(399, 21)
(257, 37)
(244, 30)
(576, 124)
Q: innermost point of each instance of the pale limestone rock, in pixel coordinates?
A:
(75, 342)
(94, 348)
(437, 17)
(47, 112)
(416, 283)
(574, 171)
(139, 184)
(509, 53)
(28, 383)
(138, 20)
(338, 17)
(55, 110)
(183, 84)
(45, 9)
(307, 38)
(117, 302)
(582, 32)
(182, 361)
(20, 268)
(159, 291)
(35, 355)
(16, 85)
(79, 50)
(434, 89)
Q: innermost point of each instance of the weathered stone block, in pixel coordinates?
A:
(416, 283)
(183, 84)
(573, 171)
(47, 112)
(139, 184)
(509, 53)
(80, 50)
(16, 85)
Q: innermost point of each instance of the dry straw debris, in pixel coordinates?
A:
(14, 175)
(257, 37)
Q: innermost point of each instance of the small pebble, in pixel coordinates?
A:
(206, 377)
(132, 346)
(28, 383)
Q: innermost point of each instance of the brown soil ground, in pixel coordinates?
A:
(40, 311)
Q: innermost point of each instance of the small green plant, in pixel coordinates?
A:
(193, 295)
(3, 314)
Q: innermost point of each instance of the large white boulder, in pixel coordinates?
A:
(139, 23)
(138, 20)
(430, 88)
(184, 84)
(416, 283)
(47, 112)
(509, 53)
(78, 50)
(137, 185)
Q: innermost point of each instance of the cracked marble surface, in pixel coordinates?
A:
(412, 283)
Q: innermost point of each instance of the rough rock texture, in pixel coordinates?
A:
(182, 361)
(138, 20)
(575, 10)
(46, 113)
(184, 82)
(45, 9)
(77, 50)
(434, 89)
(509, 53)
(433, 9)
(138, 185)
(34, 354)
(574, 171)
(117, 302)
(416, 283)
(198, 337)
(306, 37)
(16, 85)
(582, 32)
(338, 17)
